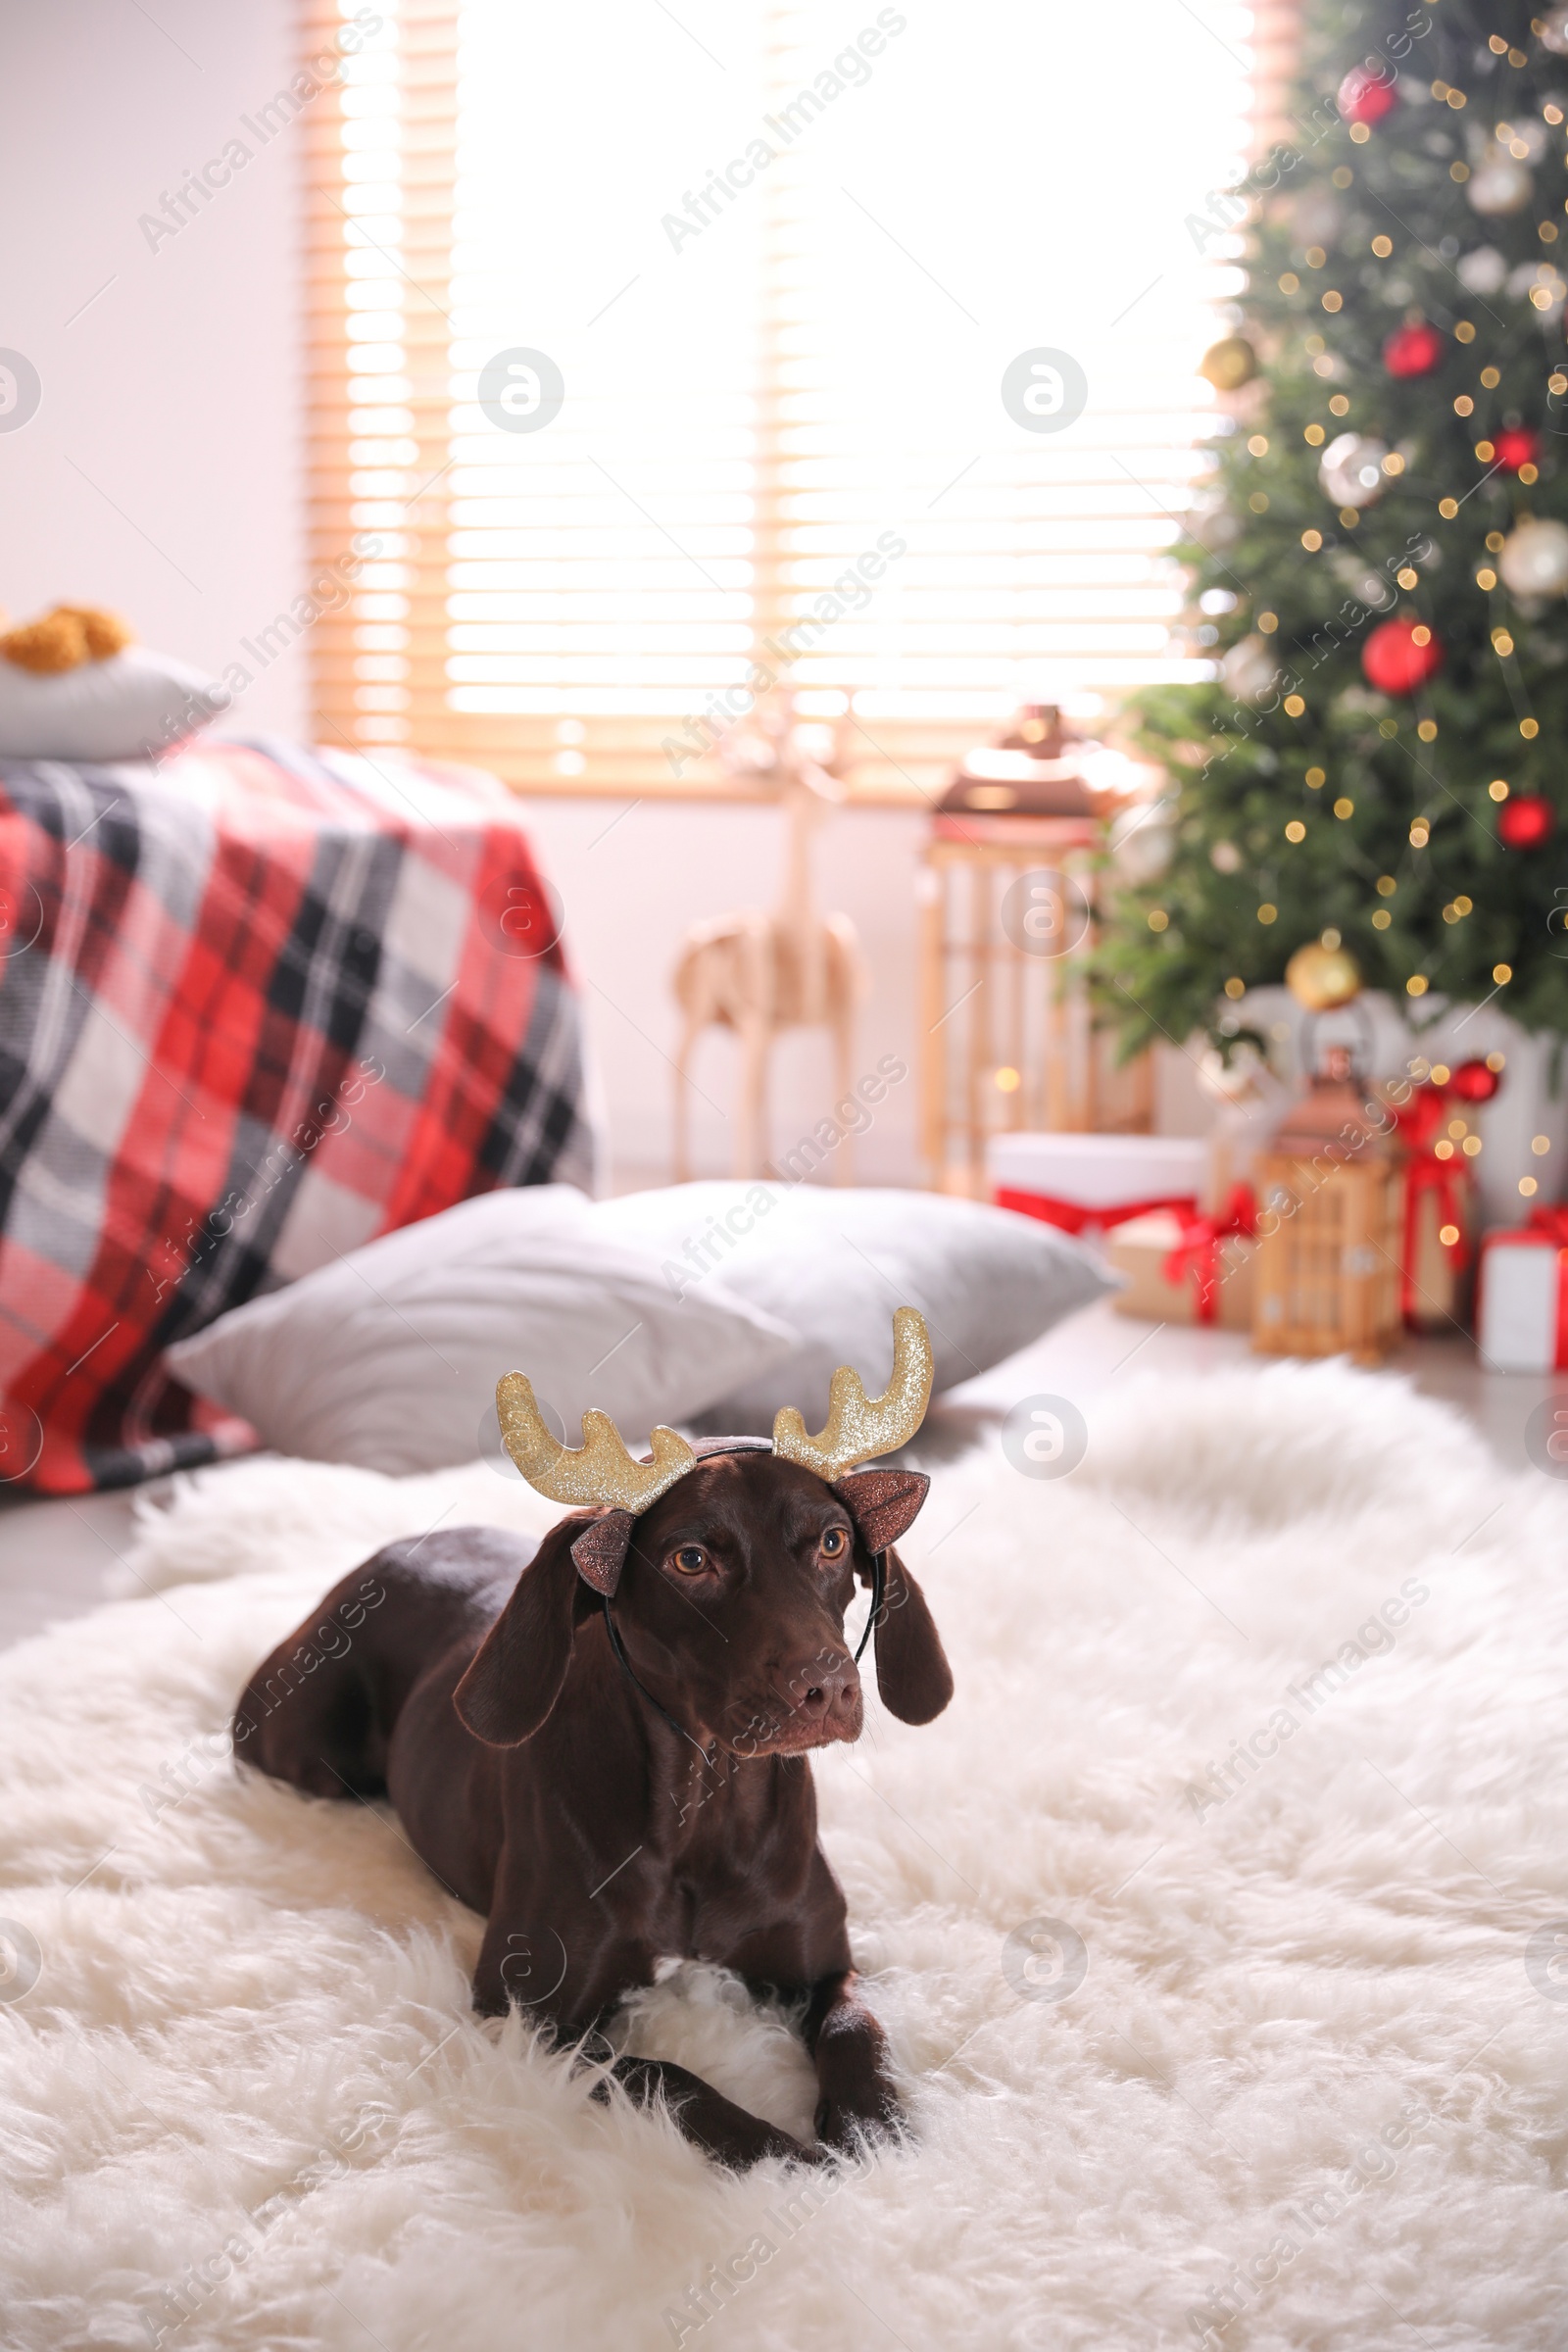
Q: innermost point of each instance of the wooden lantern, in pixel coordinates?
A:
(1330, 1209)
(1010, 1041)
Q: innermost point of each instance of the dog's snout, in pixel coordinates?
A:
(823, 1688)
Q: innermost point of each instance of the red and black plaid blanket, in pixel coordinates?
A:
(253, 1010)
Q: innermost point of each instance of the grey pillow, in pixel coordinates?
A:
(835, 1264)
(389, 1358)
(132, 706)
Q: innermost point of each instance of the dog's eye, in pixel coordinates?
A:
(833, 1545)
(691, 1559)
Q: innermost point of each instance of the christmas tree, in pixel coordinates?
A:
(1379, 555)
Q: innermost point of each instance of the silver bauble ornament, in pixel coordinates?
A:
(1212, 526)
(1551, 30)
(1534, 558)
(1244, 1079)
(1250, 670)
(1527, 132)
(1482, 272)
(1350, 470)
(1315, 217)
(1143, 840)
(1499, 186)
(1371, 588)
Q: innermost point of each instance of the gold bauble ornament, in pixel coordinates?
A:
(1229, 364)
(1321, 978)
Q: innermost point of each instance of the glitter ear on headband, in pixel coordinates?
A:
(860, 1429)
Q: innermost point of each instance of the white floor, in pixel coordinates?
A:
(55, 1554)
(1084, 1355)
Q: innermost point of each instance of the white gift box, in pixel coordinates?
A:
(1088, 1182)
(1522, 1312)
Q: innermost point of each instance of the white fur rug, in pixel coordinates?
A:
(1307, 2087)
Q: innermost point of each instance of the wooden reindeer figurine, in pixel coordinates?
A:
(759, 973)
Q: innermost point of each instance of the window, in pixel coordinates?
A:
(653, 350)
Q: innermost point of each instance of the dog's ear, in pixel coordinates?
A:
(600, 1552)
(912, 1672)
(521, 1665)
(883, 1503)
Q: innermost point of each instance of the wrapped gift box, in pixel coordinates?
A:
(1439, 1229)
(1522, 1314)
(1167, 1283)
(1088, 1183)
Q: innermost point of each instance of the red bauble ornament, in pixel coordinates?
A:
(1365, 97)
(1414, 351)
(1400, 655)
(1515, 446)
(1473, 1082)
(1525, 824)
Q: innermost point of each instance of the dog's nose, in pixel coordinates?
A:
(824, 1688)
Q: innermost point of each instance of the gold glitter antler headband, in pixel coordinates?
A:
(858, 1426)
(599, 1470)
(602, 1471)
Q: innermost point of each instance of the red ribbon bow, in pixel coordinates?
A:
(1425, 1173)
(1550, 1221)
(1198, 1251)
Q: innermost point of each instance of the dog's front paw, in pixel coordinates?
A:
(872, 2112)
(732, 2136)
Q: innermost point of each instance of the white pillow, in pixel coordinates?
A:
(836, 1265)
(129, 707)
(389, 1358)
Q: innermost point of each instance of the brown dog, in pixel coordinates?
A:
(614, 1785)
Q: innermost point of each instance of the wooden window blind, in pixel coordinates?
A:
(781, 256)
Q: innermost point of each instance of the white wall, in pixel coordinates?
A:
(161, 475)
(632, 882)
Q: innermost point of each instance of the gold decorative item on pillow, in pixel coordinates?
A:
(65, 639)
